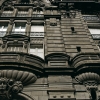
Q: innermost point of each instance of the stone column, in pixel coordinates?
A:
(30, 11)
(28, 28)
(10, 27)
(15, 12)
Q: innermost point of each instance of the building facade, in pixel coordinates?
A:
(49, 49)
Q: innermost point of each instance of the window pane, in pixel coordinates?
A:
(37, 51)
(94, 31)
(37, 28)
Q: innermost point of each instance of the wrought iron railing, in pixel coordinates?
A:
(6, 14)
(91, 17)
(2, 33)
(37, 15)
(96, 36)
(22, 15)
(36, 34)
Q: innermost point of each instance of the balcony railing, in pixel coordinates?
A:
(36, 34)
(96, 36)
(6, 14)
(22, 15)
(37, 15)
(91, 18)
(23, 33)
(2, 33)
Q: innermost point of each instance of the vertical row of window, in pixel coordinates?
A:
(35, 32)
(39, 51)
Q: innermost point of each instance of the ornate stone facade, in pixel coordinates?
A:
(47, 51)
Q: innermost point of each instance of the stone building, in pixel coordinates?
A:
(49, 49)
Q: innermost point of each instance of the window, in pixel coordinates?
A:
(37, 31)
(37, 50)
(94, 31)
(18, 28)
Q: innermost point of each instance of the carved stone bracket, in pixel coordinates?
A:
(90, 80)
(9, 88)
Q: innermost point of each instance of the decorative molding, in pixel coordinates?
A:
(91, 81)
(38, 3)
(83, 61)
(88, 77)
(57, 56)
(16, 75)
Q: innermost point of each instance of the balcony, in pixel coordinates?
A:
(22, 61)
(22, 15)
(86, 61)
(91, 18)
(38, 16)
(7, 14)
(36, 34)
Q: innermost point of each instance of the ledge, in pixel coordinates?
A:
(21, 61)
(84, 61)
